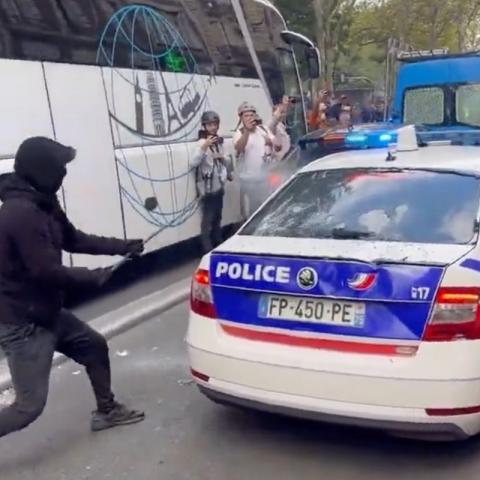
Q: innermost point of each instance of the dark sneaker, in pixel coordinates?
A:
(119, 415)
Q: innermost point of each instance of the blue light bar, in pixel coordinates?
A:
(356, 138)
(370, 139)
(365, 138)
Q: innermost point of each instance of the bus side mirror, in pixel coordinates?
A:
(312, 54)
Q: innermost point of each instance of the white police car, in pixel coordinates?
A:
(352, 295)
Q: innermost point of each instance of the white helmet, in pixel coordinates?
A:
(246, 107)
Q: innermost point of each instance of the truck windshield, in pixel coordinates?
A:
(468, 105)
(443, 105)
(424, 106)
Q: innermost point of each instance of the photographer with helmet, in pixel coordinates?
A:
(256, 146)
(211, 174)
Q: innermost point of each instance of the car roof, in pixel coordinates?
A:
(464, 159)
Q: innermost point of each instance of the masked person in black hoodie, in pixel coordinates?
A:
(33, 324)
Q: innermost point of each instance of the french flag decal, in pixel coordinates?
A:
(362, 281)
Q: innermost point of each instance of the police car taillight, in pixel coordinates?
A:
(455, 315)
(201, 298)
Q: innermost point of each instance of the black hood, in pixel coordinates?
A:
(42, 163)
(11, 185)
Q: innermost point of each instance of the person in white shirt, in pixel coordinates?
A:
(211, 174)
(255, 147)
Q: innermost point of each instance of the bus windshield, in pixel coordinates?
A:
(296, 115)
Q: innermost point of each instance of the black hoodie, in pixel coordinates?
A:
(33, 232)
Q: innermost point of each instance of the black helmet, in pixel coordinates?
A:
(210, 117)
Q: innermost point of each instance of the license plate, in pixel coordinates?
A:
(330, 312)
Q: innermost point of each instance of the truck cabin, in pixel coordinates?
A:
(438, 92)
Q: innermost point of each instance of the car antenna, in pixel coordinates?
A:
(392, 150)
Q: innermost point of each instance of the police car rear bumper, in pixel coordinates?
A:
(411, 429)
(326, 397)
(372, 390)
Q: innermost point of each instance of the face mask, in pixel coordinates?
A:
(49, 181)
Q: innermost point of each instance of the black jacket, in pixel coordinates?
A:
(33, 232)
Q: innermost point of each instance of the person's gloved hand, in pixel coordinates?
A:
(134, 247)
(102, 276)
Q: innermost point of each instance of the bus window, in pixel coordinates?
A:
(468, 105)
(179, 36)
(224, 39)
(424, 106)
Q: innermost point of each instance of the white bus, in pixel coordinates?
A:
(125, 83)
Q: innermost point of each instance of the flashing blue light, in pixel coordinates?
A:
(370, 139)
(356, 138)
(386, 137)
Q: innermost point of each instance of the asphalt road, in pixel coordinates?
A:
(187, 437)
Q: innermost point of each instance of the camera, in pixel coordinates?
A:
(292, 100)
(203, 135)
(257, 120)
(218, 140)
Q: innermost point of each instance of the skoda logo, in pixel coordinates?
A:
(307, 278)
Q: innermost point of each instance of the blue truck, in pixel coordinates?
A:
(438, 92)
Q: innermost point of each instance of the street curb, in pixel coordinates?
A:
(122, 319)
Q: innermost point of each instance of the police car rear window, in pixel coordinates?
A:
(402, 205)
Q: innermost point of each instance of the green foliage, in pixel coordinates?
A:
(299, 16)
(352, 35)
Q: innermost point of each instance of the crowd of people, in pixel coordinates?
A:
(326, 111)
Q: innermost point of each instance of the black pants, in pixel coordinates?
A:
(211, 228)
(29, 351)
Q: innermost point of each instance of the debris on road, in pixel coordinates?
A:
(185, 382)
(122, 353)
